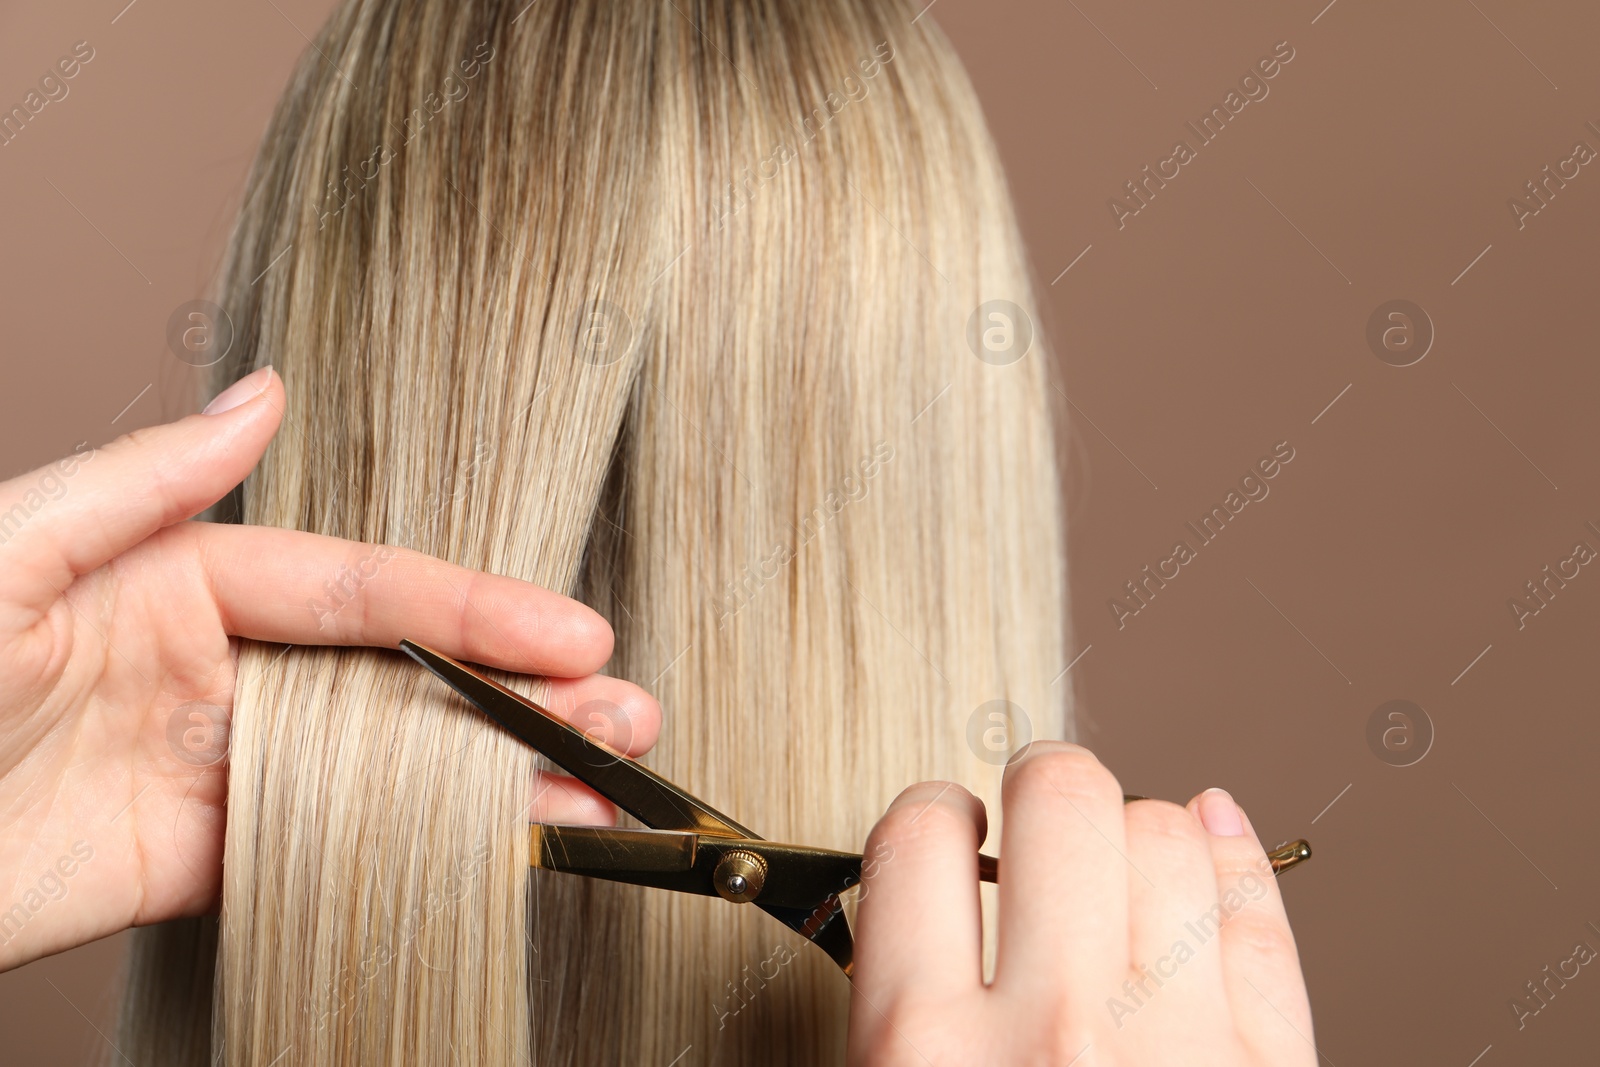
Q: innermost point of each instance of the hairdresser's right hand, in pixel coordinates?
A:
(117, 612)
(1129, 935)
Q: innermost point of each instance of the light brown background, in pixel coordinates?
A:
(1222, 319)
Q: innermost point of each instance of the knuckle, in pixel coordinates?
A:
(1068, 773)
(142, 448)
(594, 630)
(366, 613)
(1167, 823)
(467, 615)
(903, 1026)
(924, 823)
(1249, 874)
(902, 1015)
(1063, 1034)
(1261, 936)
(636, 703)
(134, 440)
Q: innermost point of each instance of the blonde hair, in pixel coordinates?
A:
(674, 306)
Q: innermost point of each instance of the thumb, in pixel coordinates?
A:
(69, 517)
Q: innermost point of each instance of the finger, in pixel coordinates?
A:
(302, 588)
(919, 926)
(1260, 965)
(1174, 917)
(564, 801)
(70, 517)
(614, 712)
(1063, 880)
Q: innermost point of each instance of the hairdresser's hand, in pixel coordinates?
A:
(115, 613)
(1110, 952)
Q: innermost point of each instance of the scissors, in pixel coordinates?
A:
(690, 847)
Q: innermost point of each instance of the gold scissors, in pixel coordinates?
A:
(690, 847)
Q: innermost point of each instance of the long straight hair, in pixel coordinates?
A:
(714, 314)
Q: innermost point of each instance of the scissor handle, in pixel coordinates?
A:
(1287, 855)
(1284, 857)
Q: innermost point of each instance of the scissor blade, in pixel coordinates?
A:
(824, 926)
(635, 789)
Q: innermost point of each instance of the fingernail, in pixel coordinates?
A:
(1219, 814)
(247, 388)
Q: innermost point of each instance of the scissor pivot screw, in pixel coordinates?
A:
(739, 876)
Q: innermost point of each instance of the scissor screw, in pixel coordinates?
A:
(739, 876)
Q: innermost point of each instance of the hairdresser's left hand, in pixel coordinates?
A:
(1130, 935)
(117, 619)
